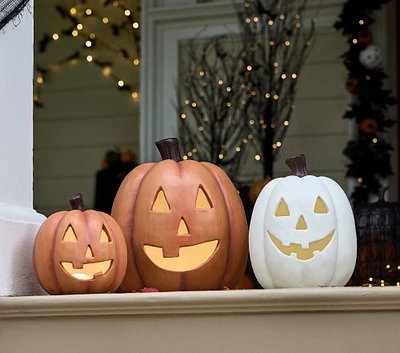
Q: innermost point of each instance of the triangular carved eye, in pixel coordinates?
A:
(160, 204)
(104, 237)
(283, 209)
(70, 235)
(320, 206)
(202, 200)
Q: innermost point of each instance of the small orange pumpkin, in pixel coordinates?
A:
(79, 251)
(184, 225)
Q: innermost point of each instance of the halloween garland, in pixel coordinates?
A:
(368, 151)
(10, 9)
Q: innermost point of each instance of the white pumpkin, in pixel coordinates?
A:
(371, 57)
(302, 232)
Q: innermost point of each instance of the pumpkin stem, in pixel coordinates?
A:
(169, 149)
(76, 202)
(298, 165)
(382, 194)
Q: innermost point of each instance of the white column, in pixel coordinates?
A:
(19, 222)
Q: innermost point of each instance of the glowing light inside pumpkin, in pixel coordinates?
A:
(190, 257)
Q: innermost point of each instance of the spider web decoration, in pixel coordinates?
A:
(10, 9)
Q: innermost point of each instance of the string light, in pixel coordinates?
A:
(255, 19)
(205, 119)
(276, 64)
(267, 95)
(190, 154)
(185, 157)
(247, 4)
(201, 128)
(276, 97)
(264, 126)
(297, 16)
(248, 20)
(374, 140)
(228, 104)
(257, 157)
(106, 70)
(183, 116)
(283, 76)
(360, 180)
(251, 122)
(270, 22)
(194, 150)
(237, 149)
(355, 41)
(249, 68)
(282, 17)
(298, 25)
(271, 43)
(220, 82)
(39, 80)
(361, 22)
(187, 101)
(73, 59)
(194, 104)
(201, 73)
(274, 145)
(367, 77)
(272, 126)
(228, 89)
(249, 136)
(136, 62)
(245, 140)
(221, 156)
(294, 76)
(287, 43)
(286, 123)
(278, 144)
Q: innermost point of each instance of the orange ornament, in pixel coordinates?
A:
(79, 252)
(184, 225)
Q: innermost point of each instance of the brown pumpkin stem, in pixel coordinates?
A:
(298, 165)
(76, 202)
(382, 194)
(169, 149)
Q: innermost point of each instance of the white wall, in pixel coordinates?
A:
(84, 115)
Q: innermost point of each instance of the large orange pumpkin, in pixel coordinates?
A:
(79, 251)
(184, 225)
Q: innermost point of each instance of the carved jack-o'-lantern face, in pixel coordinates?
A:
(302, 232)
(79, 252)
(189, 257)
(184, 225)
(300, 223)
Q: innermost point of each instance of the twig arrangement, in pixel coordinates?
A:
(236, 98)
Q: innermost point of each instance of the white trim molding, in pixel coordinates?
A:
(163, 28)
(294, 300)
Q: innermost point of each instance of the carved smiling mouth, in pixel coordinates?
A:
(302, 254)
(88, 271)
(190, 257)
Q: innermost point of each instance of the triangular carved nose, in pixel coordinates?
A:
(89, 252)
(301, 224)
(183, 229)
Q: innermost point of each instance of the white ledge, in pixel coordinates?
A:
(212, 302)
